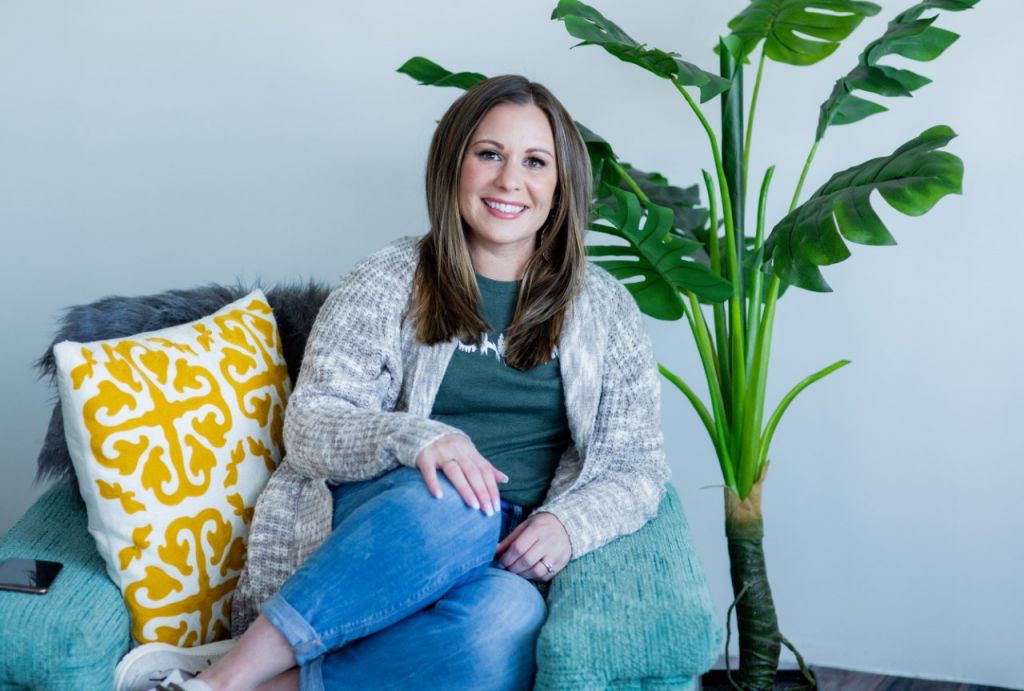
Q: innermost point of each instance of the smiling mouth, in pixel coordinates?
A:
(510, 209)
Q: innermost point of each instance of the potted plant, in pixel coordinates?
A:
(680, 260)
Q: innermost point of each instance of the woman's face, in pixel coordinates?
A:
(507, 182)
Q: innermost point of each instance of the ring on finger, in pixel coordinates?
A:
(547, 565)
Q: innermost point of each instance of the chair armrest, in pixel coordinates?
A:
(633, 614)
(73, 636)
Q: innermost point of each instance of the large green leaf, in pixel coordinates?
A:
(429, 73)
(597, 147)
(689, 218)
(798, 32)
(586, 23)
(907, 35)
(655, 265)
(911, 179)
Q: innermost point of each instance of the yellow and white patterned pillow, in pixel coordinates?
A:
(173, 434)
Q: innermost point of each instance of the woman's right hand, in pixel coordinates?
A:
(471, 474)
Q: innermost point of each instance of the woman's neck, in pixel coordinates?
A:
(500, 263)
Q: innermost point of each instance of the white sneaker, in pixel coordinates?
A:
(150, 664)
(176, 682)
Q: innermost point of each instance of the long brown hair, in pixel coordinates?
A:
(445, 295)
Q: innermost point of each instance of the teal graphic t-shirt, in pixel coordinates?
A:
(515, 418)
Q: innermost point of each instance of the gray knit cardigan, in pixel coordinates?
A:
(362, 402)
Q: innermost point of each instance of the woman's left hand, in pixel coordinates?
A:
(541, 537)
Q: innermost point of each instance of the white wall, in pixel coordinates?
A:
(146, 146)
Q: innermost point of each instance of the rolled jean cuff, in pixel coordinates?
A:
(311, 676)
(303, 638)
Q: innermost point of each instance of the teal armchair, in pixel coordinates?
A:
(635, 614)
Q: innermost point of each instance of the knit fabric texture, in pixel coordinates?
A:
(361, 404)
(636, 614)
(72, 637)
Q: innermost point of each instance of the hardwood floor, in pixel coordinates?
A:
(833, 679)
(830, 679)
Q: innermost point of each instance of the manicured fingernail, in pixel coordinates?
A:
(438, 494)
(476, 505)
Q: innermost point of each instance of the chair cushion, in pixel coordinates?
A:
(635, 614)
(72, 637)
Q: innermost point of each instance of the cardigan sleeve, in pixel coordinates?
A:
(627, 434)
(339, 423)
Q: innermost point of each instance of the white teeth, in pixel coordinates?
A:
(504, 208)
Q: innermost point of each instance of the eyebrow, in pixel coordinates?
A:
(499, 145)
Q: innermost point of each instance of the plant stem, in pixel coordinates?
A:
(691, 395)
(737, 331)
(750, 118)
(705, 346)
(803, 175)
(723, 185)
(706, 349)
(630, 181)
(721, 327)
(773, 421)
(757, 278)
(753, 410)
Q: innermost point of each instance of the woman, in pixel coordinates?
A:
(383, 553)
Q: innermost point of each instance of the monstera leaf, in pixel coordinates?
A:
(586, 23)
(689, 218)
(907, 35)
(429, 73)
(601, 157)
(785, 25)
(655, 265)
(911, 179)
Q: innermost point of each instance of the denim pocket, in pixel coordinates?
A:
(511, 516)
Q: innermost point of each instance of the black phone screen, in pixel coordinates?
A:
(28, 575)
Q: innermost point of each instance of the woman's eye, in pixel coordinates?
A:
(533, 162)
(489, 155)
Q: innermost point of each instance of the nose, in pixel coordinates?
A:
(508, 177)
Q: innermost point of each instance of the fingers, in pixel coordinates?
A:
(510, 538)
(530, 545)
(472, 475)
(469, 484)
(531, 564)
(482, 478)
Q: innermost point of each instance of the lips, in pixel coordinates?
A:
(504, 209)
(503, 206)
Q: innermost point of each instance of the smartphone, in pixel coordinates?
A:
(28, 575)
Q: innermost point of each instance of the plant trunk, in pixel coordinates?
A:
(757, 625)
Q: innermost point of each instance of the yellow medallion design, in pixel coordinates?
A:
(173, 435)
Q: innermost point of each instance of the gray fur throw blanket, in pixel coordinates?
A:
(295, 308)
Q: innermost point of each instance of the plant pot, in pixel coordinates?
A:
(788, 679)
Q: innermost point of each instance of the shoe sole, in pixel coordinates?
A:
(170, 657)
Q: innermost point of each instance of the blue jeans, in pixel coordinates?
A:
(406, 594)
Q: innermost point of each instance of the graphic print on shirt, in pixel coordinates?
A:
(497, 348)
